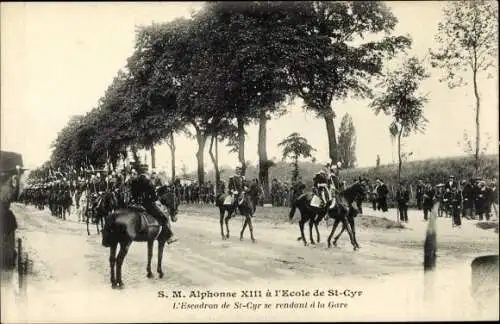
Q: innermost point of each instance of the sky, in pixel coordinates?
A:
(57, 59)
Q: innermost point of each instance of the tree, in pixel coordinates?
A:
(296, 147)
(248, 76)
(400, 100)
(468, 45)
(329, 57)
(347, 142)
(377, 162)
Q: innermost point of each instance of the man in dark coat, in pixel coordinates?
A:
(402, 197)
(382, 192)
(419, 193)
(454, 198)
(481, 201)
(428, 200)
(467, 198)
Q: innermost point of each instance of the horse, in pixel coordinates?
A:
(246, 205)
(314, 215)
(350, 194)
(101, 206)
(133, 224)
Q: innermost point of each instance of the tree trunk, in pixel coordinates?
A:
(295, 174)
(399, 155)
(476, 94)
(201, 139)
(241, 144)
(153, 157)
(171, 145)
(332, 138)
(399, 166)
(215, 161)
(264, 164)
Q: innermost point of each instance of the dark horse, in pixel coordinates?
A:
(314, 215)
(100, 207)
(130, 224)
(246, 206)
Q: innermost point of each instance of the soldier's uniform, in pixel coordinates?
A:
(454, 198)
(320, 183)
(144, 193)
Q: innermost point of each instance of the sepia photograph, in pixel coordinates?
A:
(244, 161)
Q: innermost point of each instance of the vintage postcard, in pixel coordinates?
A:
(249, 161)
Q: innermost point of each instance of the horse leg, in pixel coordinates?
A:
(87, 221)
(245, 223)
(150, 256)
(317, 230)
(226, 220)
(112, 263)
(347, 226)
(161, 246)
(334, 227)
(250, 227)
(311, 224)
(221, 221)
(301, 226)
(96, 222)
(352, 226)
(124, 246)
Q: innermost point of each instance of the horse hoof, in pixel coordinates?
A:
(150, 275)
(160, 274)
(313, 243)
(114, 285)
(120, 285)
(329, 245)
(241, 238)
(253, 241)
(299, 238)
(227, 237)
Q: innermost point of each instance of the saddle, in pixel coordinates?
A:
(146, 221)
(229, 200)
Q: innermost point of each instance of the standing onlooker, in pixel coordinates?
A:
(428, 200)
(494, 198)
(373, 196)
(382, 192)
(467, 198)
(419, 193)
(454, 202)
(482, 201)
(402, 198)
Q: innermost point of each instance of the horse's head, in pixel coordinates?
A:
(168, 198)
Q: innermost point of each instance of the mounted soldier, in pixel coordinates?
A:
(320, 186)
(143, 193)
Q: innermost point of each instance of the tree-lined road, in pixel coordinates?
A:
(68, 262)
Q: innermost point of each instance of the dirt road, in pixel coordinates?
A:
(70, 276)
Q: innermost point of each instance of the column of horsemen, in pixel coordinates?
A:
(469, 199)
